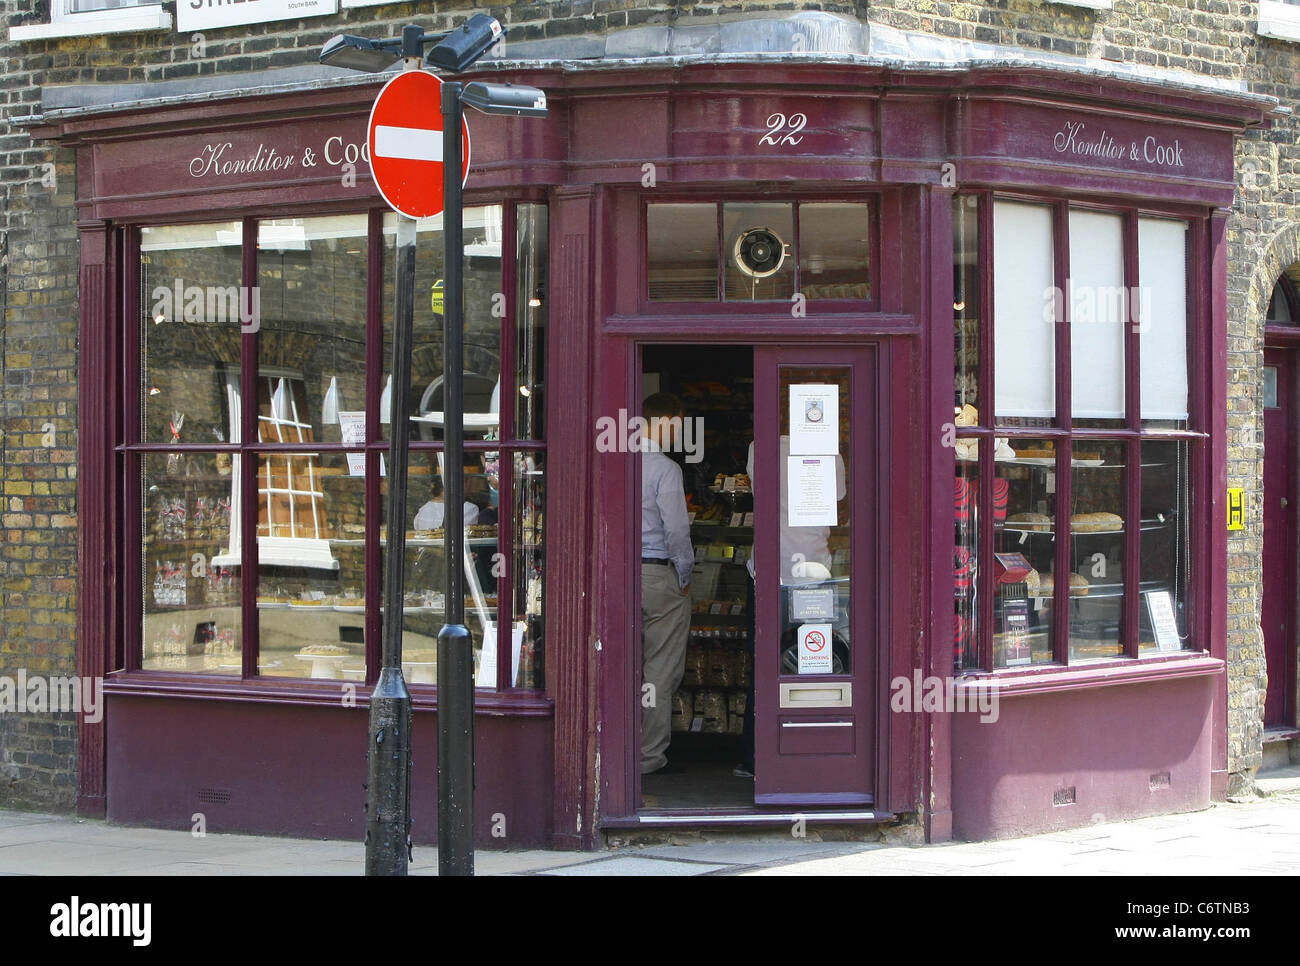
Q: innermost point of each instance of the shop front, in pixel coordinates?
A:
(951, 347)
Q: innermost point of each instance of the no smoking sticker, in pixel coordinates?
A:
(814, 648)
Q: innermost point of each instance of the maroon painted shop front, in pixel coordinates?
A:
(1082, 730)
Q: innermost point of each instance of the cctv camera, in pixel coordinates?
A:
(759, 252)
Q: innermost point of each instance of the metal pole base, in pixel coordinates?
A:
(455, 751)
(388, 792)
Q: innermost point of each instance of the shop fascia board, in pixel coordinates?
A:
(263, 99)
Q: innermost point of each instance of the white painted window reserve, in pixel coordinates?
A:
(1162, 300)
(1098, 313)
(1024, 349)
(76, 18)
(1279, 20)
(1090, 4)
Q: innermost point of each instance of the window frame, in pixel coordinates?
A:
(141, 17)
(1064, 435)
(133, 450)
(821, 306)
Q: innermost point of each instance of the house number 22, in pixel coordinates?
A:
(777, 122)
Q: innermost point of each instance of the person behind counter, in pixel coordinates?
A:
(667, 560)
(431, 515)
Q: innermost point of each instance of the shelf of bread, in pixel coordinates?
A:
(1080, 523)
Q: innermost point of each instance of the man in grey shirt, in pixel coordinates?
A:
(666, 562)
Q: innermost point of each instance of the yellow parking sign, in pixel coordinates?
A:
(1236, 508)
(437, 297)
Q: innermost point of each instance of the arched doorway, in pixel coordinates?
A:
(1281, 383)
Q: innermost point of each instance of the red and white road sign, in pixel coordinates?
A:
(405, 135)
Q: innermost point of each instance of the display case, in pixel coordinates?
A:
(1028, 517)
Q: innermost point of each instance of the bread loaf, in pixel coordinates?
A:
(1030, 521)
(1091, 522)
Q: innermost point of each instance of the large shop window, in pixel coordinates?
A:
(1072, 494)
(264, 414)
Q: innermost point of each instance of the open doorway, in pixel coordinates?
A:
(710, 749)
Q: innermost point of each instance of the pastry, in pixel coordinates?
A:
(1047, 586)
(1030, 521)
(1089, 522)
(325, 649)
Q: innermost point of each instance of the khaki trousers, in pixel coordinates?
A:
(665, 627)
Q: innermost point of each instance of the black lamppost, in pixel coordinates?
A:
(388, 813)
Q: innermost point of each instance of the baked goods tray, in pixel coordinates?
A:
(1153, 524)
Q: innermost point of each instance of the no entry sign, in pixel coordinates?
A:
(405, 137)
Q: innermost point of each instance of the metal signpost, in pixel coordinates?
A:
(403, 154)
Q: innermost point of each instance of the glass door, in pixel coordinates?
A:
(815, 477)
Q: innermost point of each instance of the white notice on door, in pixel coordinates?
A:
(1163, 622)
(811, 483)
(814, 648)
(814, 419)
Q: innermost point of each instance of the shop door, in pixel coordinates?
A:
(815, 481)
(1278, 608)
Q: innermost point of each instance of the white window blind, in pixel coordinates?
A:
(1024, 348)
(1098, 313)
(1162, 276)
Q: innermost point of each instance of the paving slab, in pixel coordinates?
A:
(635, 865)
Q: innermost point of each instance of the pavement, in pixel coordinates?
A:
(1260, 836)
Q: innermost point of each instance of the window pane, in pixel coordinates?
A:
(192, 597)
(528, 640)
(311, 567)
(1162, 269)
(530, 329)
(1165, 617)
(1023, 310)
(757, 240)
(1023, 504)
(1097, 550)
(966, 558)
(1098, 311)
(834, 251)
(425, 575)
(816, 556)
(87, 6)
(191, 304)
(966, 298)
(485, 308)
(311, 274)
(1279, 309)
(682, 243)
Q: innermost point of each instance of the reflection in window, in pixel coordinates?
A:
(683, 251)
(310, 312)
(834, 251)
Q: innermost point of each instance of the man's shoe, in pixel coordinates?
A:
(743, 771)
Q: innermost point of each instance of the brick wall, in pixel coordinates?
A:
(39, 266)
(38, 557)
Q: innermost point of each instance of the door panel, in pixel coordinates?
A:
(1278, 608)
(815, 483)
